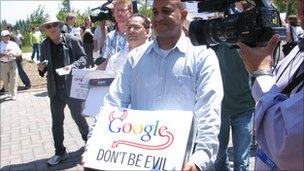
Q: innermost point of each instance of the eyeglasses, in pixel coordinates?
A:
(48, 26)
(134, 27)
(121, 10)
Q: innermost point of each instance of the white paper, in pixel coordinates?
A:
(63, 71)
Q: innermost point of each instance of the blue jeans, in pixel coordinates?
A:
(36, 50)
(242, 130)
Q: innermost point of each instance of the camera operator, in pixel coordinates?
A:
(116, 40)
(280, 96)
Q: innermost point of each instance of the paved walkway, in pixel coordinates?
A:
(26, 138)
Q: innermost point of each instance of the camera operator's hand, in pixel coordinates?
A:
(258, 58)
(190, 166)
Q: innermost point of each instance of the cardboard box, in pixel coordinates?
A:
(125, 139)
(80, 81)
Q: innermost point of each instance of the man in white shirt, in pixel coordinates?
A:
(9, 50)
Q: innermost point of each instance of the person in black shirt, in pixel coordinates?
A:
(61, 50)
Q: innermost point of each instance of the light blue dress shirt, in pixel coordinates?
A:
(114, 43)
(188, 79)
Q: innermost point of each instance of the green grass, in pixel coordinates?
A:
(26, 49)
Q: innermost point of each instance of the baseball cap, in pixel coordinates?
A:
(5, 33)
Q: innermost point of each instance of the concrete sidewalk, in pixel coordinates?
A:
(26, 138)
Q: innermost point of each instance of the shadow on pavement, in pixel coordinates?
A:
(3, 99)
(42, 94)
(41, 165)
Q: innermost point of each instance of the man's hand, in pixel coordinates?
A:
(103, 66)
(64, 70)
(68, 68)
(190, 166)
(41, 66)
(259, 58)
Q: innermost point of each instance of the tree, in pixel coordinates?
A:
(145, 8)
(288, 6)
(64, 9)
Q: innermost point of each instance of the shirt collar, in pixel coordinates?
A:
(180, 45)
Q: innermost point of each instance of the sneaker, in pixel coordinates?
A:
(56, 159)
(14, 98)
(5, 95)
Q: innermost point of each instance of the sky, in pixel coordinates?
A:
(12, 10)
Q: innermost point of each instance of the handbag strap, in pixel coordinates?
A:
(298, 79)
(291, 34)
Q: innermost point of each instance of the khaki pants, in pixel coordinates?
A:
(8, 74)
(1, 83)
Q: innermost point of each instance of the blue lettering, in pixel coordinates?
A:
(117, 128)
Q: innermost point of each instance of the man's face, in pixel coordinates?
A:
(52, 30)
(137, 33)
(121, 12)
(6, 38)
(167, 18)
(72, 21)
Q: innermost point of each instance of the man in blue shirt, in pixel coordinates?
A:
(279, 93)
(170, 73)
(116, 40)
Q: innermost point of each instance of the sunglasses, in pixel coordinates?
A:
(6, 36)
(48, 26)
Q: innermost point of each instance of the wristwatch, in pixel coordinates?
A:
(258, 73)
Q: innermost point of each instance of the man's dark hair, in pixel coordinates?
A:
(146, 23)
(293, 20)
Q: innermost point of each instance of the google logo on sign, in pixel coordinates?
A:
(119, 125)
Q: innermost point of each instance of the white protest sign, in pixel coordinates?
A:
(80, 81)
(125, 139)
(95, 97)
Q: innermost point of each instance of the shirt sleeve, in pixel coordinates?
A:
(209, 95)
(119, 93)
(262, 85)
(108, 49)
(80, 55)
(279, 127)
(16, 48)
(96, 34)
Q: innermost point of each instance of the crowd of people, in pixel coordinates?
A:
(226, 89)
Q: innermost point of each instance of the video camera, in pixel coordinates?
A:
(253, 27)
(101, 13)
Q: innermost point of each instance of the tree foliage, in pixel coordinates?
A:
(38, 16)
(283, 5)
